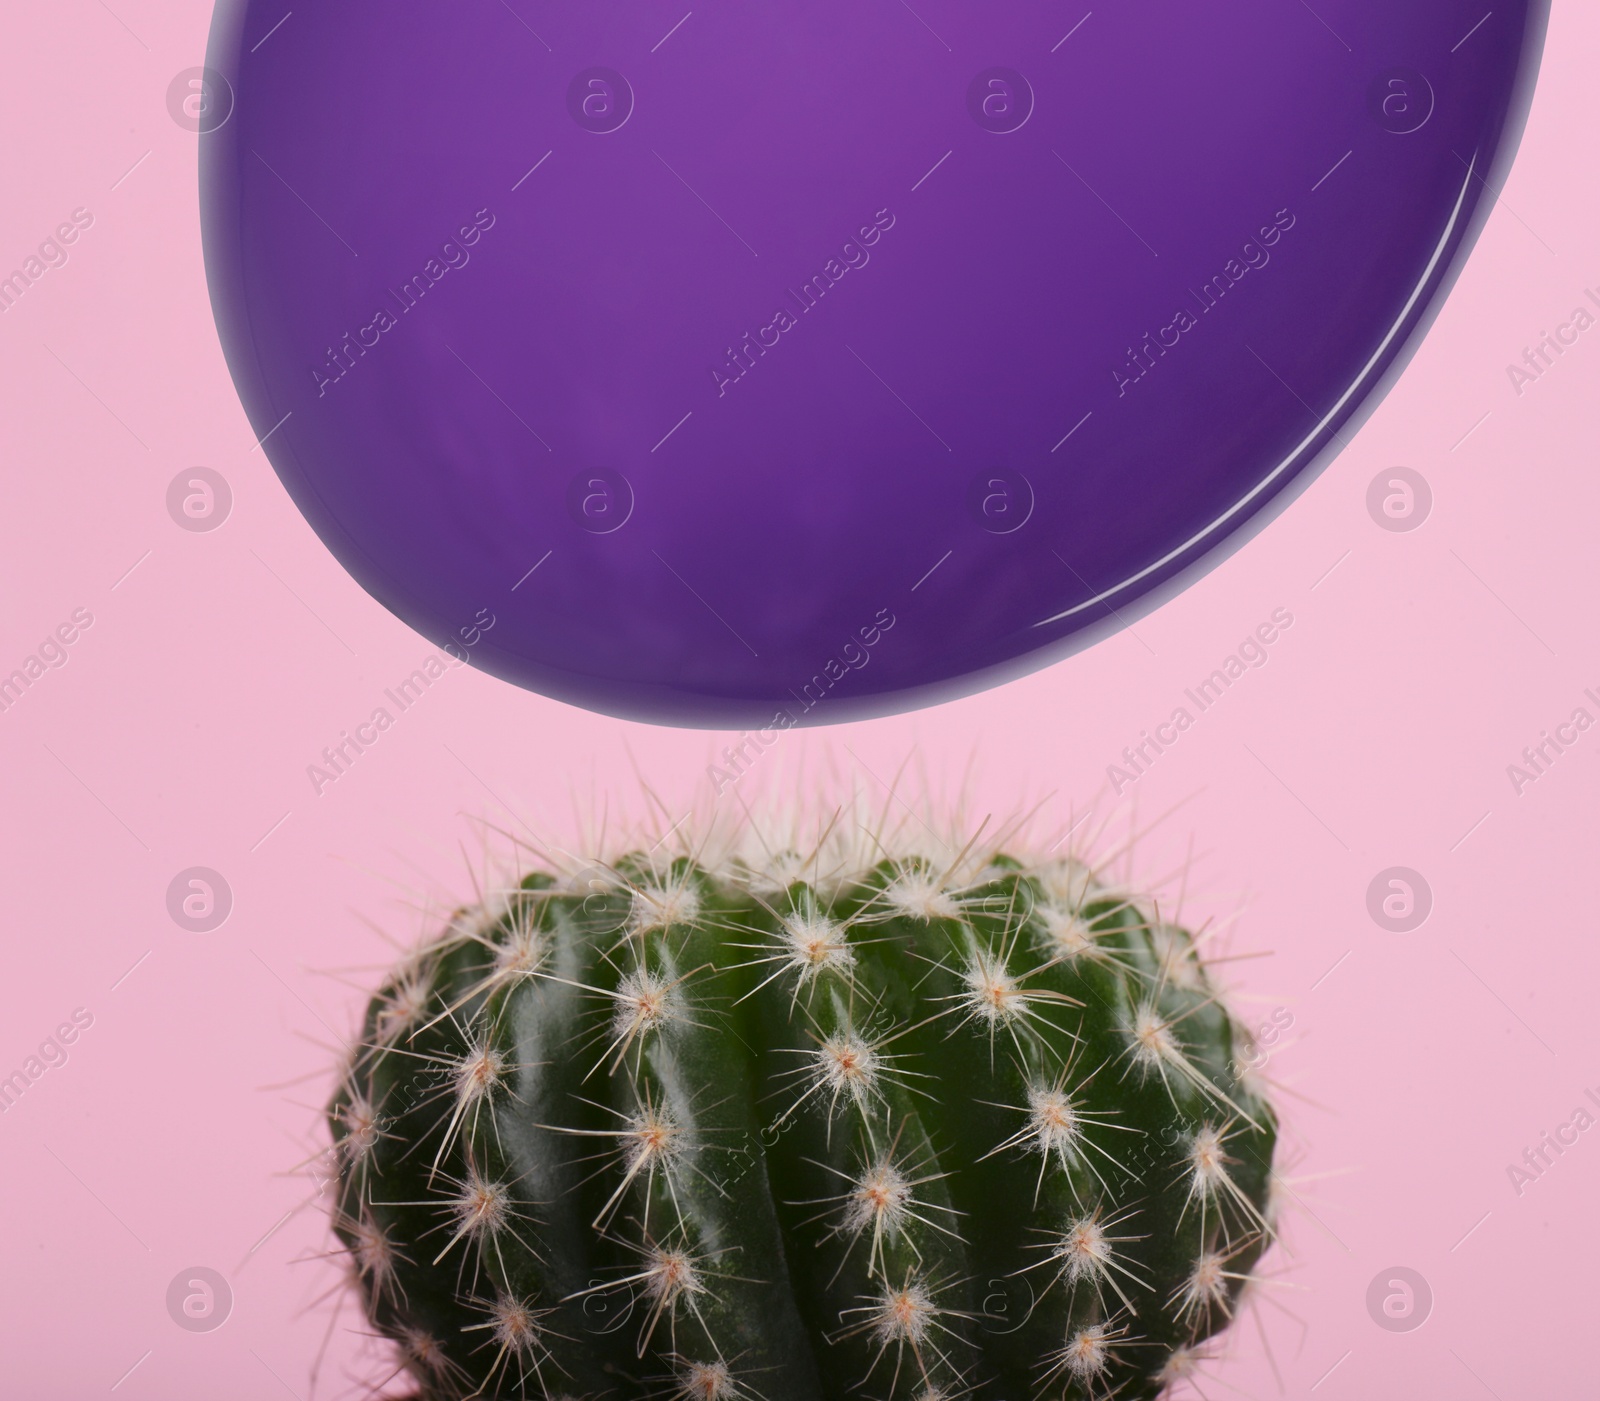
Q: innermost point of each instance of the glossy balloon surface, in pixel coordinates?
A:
(825, 358)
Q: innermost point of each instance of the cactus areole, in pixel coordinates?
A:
(660, 1130)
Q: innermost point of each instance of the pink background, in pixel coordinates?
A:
(214, 673)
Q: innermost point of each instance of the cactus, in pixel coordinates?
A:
(737, 1129)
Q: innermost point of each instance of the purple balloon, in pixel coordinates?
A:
(824, 359)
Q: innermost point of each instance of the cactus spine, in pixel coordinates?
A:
(760, 1132)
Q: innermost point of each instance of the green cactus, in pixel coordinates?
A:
(657, 1129)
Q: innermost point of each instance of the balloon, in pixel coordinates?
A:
(784, 363)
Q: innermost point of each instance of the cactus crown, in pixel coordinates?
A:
(794, 1129)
